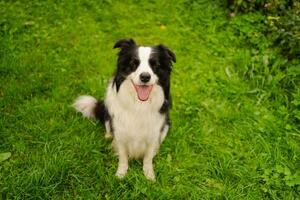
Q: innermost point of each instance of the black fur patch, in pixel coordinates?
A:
(127, 58)
(101, 112)
(165, 107)
(161, 64)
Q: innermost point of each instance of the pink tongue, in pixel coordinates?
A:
(143, 91)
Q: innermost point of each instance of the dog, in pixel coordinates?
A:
(135, 110)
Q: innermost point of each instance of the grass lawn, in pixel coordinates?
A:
(228, 140)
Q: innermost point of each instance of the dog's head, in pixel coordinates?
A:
(144, 67)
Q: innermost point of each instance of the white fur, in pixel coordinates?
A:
(164, 133)
(137, 125)
(144, 55)
(85, 105)
(108, 133)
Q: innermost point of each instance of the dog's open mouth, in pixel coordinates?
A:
(143, 91)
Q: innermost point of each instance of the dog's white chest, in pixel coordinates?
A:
(136, 124)
(137, 131)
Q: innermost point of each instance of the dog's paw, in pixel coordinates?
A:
(120, 175)
(121, 172)
(108, 135)
(149, 174)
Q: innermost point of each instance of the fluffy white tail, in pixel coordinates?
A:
(86, 105)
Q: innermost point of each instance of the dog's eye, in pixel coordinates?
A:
(153, 62)
(135, 63)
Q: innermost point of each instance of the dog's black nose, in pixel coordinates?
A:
(145, 77)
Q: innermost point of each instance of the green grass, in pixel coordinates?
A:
(233, 135)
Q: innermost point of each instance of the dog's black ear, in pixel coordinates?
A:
(124, 43)
(168, 52)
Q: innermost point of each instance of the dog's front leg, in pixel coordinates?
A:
(108, 133)
(123, 161)
(148, 162)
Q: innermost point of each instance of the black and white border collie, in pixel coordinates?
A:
(136, 106)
